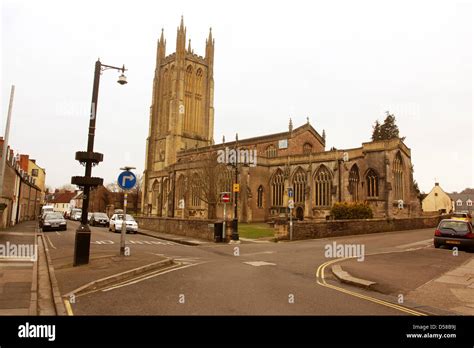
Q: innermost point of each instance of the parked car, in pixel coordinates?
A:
(43, 215)
(454, 233)
(76, 215)
(54, 221)
(115, 223)
(462, 217)
(99, 219)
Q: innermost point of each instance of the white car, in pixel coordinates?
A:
(115, 223)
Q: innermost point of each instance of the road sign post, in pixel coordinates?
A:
(225, 198)
(291, 205)
(126, 181)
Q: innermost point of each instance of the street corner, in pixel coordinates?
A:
(107, 269)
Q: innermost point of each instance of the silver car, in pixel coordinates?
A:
(54, 221)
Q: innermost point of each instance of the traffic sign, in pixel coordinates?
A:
(291, 203)
(181, 204)
(225, 197)
(236, 188)
(127, 180)
(290, 192)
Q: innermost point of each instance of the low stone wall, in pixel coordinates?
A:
(335, 228)
(196, 228)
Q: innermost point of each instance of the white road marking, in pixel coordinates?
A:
(425, 242)
(135, 242)
(260, 263)
(258, 253)
(49, 240)
(58, 233)
(157, 273)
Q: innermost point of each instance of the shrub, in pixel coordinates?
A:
(347, 211)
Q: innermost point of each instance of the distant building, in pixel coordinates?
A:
(437, 201)
(63, 202)
(462, 202)
(21, 199)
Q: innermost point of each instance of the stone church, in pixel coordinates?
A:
(183, 178)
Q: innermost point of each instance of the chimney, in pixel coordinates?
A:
(436, 183)
(24, 162)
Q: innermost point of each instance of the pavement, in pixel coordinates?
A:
(174, 238)
(16, 274)
(433, 277)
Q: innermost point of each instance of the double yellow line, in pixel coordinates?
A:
(322, 281)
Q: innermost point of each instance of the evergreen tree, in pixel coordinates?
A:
(386, 131)
(376, 131)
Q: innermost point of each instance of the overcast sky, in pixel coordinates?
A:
(340, 63)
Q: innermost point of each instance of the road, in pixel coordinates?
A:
(249, 278)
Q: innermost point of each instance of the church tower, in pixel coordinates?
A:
(181, 112)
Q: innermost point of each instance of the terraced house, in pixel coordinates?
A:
(183, 175)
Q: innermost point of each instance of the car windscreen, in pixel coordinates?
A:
(53, 216)
(457, 226)
(100, 215)
(129, 217)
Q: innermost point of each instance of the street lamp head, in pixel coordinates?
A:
(122, 79)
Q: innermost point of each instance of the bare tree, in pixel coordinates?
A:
(207, 182)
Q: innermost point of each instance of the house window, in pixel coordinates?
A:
(469, 203)
(436, 194)
(323, 187)
(354, 182)
(307, 148)
(372, 184)
(398, 176)
(299, 185)
(260, 197)
(459, 203)
(34, 172)
(278, 187)
(271, 151)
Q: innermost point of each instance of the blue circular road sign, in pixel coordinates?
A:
(127, 180)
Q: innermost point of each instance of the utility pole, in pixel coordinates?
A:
(3, 161)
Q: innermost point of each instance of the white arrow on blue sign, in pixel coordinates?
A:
(127, 180)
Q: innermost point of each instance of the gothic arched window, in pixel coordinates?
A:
(278, 188)
(354, 182)
(188, 99)
(398, 177)
(372, 183)
(299, 185)
(196, 191)
(260, 197)
(323, 187)
(180, 187)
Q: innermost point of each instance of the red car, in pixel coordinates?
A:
(456, 233)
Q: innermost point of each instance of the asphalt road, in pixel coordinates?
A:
(245, 279)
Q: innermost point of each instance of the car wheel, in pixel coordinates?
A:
(436, 245)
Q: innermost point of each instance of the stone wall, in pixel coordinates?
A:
(335, 228)
(196, 228)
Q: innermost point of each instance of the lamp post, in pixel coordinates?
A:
(235, 221)
(89, 159)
